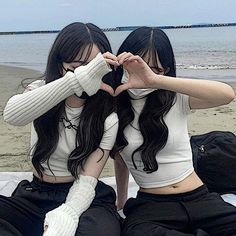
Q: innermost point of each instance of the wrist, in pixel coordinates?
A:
(156, 82)
(81, 194)
(97, 67)
(61, 221)
(90, 76)
(88, 179)
(119, 206)
(73, 83)
(120, 203)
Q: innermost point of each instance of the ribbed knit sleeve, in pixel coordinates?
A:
(90, 83)
(64, 219)
(22, 109)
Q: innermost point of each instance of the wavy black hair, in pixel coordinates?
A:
(151, 43)
(71, 40)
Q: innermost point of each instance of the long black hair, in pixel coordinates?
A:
(151, 43)
(73, 39)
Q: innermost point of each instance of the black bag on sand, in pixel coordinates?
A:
(214, 158)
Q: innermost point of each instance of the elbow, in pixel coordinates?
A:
(226, 95)
(230, 96)
(13, 114)
(8, 118)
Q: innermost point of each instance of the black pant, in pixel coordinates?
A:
(23, 213)
(194, 213)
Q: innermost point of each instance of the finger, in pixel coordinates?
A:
(110, 56)
(111, 59)
(120, 55)
(107, 88)
(128, 62)
(112, 62)
(121, 88)
(124, 57)
(135, 58)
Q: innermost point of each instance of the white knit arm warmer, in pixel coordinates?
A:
(64, 219)
(22, 109)
(90, 83)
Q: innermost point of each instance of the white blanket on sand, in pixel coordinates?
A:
(9, 180)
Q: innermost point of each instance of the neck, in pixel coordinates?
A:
(75, 102)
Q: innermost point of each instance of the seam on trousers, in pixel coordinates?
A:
(188, 215)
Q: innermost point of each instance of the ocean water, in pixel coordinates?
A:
(208, 53)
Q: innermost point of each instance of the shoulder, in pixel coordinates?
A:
(34, 85)
(111, 120)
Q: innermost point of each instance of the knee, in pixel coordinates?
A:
(99, 221)
(147, 229)
(131, 231)
(7, 229)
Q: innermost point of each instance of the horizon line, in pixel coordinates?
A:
(127, 28)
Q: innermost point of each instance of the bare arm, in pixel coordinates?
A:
(95, 163)
(122, 181)
(202, 93)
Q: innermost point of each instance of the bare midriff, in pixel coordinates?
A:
(188, 184)
(54, 179)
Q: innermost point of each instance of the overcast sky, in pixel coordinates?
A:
(17, 15)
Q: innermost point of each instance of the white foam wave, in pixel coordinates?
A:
(206, 67)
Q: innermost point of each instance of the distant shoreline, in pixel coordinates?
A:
(126, 28)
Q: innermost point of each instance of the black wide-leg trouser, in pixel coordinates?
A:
(23, 213)
(194, 213)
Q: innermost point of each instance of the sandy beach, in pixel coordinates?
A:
(14, 141)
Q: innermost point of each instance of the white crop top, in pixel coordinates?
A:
(66, 143)
(67, 136)
(22, 109)
(174, 160)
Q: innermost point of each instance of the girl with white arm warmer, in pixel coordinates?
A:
(74, 128)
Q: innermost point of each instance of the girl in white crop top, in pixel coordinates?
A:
(153, 142)
(74, 128)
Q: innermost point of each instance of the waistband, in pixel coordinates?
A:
(187, 196)
(103, 193)
(44, 184)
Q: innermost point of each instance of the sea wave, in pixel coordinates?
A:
(41, 66)
(206, 67)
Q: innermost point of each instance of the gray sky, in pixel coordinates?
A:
(18, 15)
